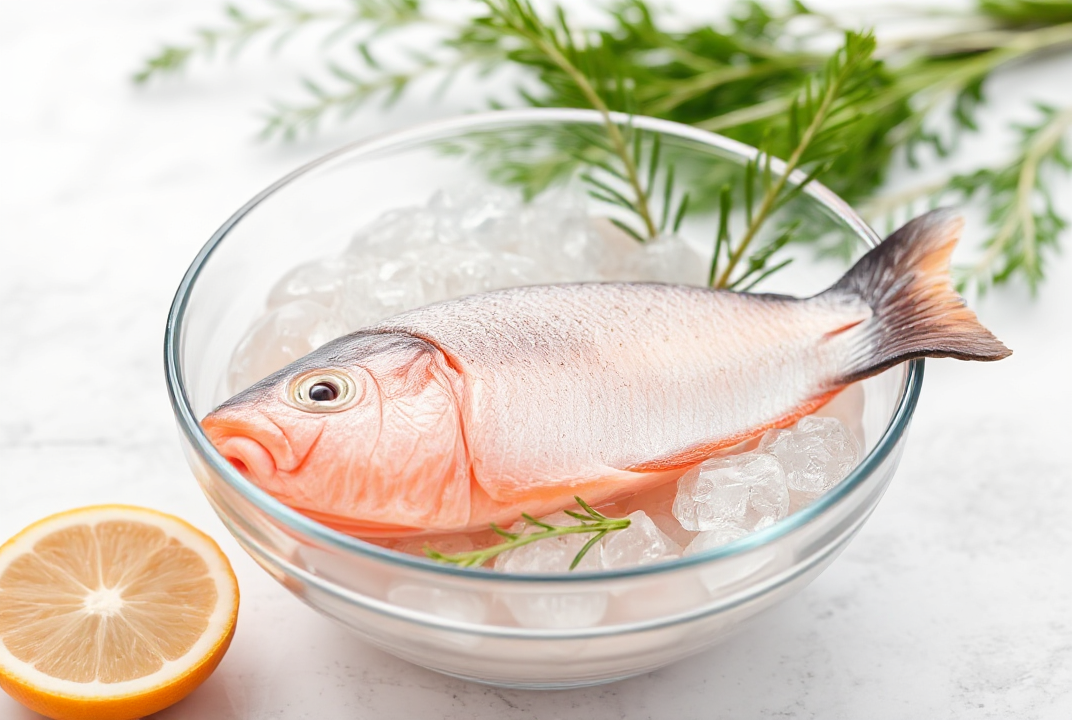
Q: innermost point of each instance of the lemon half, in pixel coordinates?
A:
(111, 612)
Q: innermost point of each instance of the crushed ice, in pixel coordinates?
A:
(725, 498)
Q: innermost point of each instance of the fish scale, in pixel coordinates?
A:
(665, 352)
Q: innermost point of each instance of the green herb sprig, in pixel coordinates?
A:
(1021, 210)
(743, 75)
(817, 119)
(590, 68)
(1026, 229)
(591, 521)
(282, 20)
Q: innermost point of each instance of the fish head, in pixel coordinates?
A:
(363, 434)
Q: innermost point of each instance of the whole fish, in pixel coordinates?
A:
(472, 411)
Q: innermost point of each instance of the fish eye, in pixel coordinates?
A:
(323, 392)
(326, 390)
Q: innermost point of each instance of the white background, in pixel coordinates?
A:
(955, 601)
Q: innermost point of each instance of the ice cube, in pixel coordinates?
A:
(462, 242)
(816, 454)
(617, 252)
(848, 407)
(707, 498)
(769, 497)
(319, 281)
(642, 543)
(451, 272)
(639, 600)
(551, 555)
(279, 338)
(731, 490)
(739, 569)
(668, 258)
(474, 207)
(396, 231)
(578, 252)
(565, 609)
(555, 231)
(658, 503)
(716, 537)
(385, 287)
(765, 521)
(448, 603)
(485, 210)
(670, 526)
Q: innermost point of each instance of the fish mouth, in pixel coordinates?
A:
(256, 445)
(247, 456)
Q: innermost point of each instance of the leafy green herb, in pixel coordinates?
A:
(590, 67)
(817, 119)
(1021, 208)
(283, 20)
(591, 521)
(746, 76)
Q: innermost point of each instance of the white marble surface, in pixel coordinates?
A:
(953, 602)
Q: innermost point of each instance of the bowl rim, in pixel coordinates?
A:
(306, 527)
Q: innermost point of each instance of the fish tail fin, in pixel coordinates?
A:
(917, 312)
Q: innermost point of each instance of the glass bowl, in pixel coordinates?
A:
(534, 631)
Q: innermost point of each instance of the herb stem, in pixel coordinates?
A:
(707, 81)
(288, 120)
(770, 198)
(621, 148)
(734, 118)
(525, 23)
(1010, 43)
(936, 81)
(476, 558)
(591, 521)
(1023, 218)
(244, 28)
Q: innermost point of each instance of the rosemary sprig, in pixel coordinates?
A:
(589, 68)
(1027, 219)
(823, 109)
(591, 521)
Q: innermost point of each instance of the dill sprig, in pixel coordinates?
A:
(744, 75)
(591, 521)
